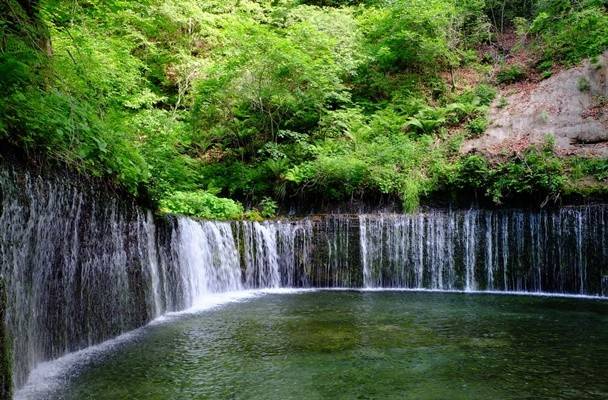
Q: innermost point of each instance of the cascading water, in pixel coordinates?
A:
(75, 268)
(261, 255)
(208, 259)
(509, 250)
(81, 267)
(312, 252)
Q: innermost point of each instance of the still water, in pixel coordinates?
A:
(362, 345)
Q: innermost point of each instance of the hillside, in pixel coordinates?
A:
(231, 109)
(570, 107)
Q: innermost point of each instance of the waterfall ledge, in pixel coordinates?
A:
(82, 266)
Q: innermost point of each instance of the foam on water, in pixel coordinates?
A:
(49, 376)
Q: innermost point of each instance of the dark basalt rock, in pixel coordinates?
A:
(6, 380)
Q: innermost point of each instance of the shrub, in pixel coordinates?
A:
(268, 207)
(545, 65)
(477, 126)
(594, 167)
(472, 172)
(535, 173)
(338, 176)
(202, 204)
(485, 94)
(570, 34)
(511, 74)
(583, 84)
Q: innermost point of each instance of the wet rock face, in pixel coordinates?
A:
(82, 266)
(6, 383)
(559, 251)
(572, 106)
(76, 262)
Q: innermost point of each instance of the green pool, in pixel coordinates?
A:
(362, 345)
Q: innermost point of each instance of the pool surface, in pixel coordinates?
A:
(362, 345)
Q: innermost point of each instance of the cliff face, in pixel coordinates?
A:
(6, 383)
(82, 266)
(76, 261)
(571, 106)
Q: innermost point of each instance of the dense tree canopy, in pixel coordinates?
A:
(204, 105)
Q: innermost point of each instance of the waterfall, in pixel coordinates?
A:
(261, 255)
(76, 267)
(148, 253)
(470, 244)
(208, 258)
(277, 253)
(558, 251)
(82, 266)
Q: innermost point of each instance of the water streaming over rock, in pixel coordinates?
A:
(82, 266)
(208, 259)
(261, 254)
(559, 251)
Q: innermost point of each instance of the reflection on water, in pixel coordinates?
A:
(364, 345)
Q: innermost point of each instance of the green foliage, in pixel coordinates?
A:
(535, 173)
(338, 3)
(375, 157)
(409, 42)
(202, 204)
(476, 127)
(471, 172)
(587, 177)
(545, 65)
(511, 74)
(571, 31)
(261, 100)
(268, 207)
(503, 13)
(538, 173)
(411, 35)
(270, 83)
(427, 120)
(583, 84)
(585, 168)
(165, 137)
(483, 94)
(72, 119)
(337, 176)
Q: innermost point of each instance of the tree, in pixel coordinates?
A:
(23, 18)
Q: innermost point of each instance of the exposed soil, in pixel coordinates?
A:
(571, 106)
